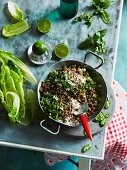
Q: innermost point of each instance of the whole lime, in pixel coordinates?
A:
(39, 48)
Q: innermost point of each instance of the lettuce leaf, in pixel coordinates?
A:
(12, 89)
(7, 83)
(12, 93)
(12, 106)
(15, 11)
(32, 107)
(18, 81)
(27, 74)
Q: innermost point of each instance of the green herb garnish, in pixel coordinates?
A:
(99, 9)
(86, 148)
(95, 42)
(85, 17)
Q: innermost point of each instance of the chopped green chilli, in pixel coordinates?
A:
(101, 118)
(96, 146)
(107, 104)
(86, 148)
(15, 29)
(103, 122)
(107, 115)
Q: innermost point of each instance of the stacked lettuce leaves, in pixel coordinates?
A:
(12, 73)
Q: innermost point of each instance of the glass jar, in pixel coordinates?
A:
(68, 8)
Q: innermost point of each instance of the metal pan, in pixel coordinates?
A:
(96, 76)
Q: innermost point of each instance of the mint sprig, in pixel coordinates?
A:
(99, 7)
(95, 41)
(87, 18)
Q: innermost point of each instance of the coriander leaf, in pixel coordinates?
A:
(100, 48)
(88, 19)
(84, 17)
(96, 42)
(97, 37)
(103, 32)
(86, 44)
(77, 19)
(105, 17)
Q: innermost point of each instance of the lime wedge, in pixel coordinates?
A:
(44, 25)
(15, 29)
(61, 50)
(39, 48)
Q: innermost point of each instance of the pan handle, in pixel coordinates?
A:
(90, 52)
(53, 133)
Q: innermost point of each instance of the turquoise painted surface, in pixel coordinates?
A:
(121, 62)
(18, 159)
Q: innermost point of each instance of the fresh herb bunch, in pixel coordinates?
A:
(84, 17)
(95, 42)
(99, 7)
(86, 148)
